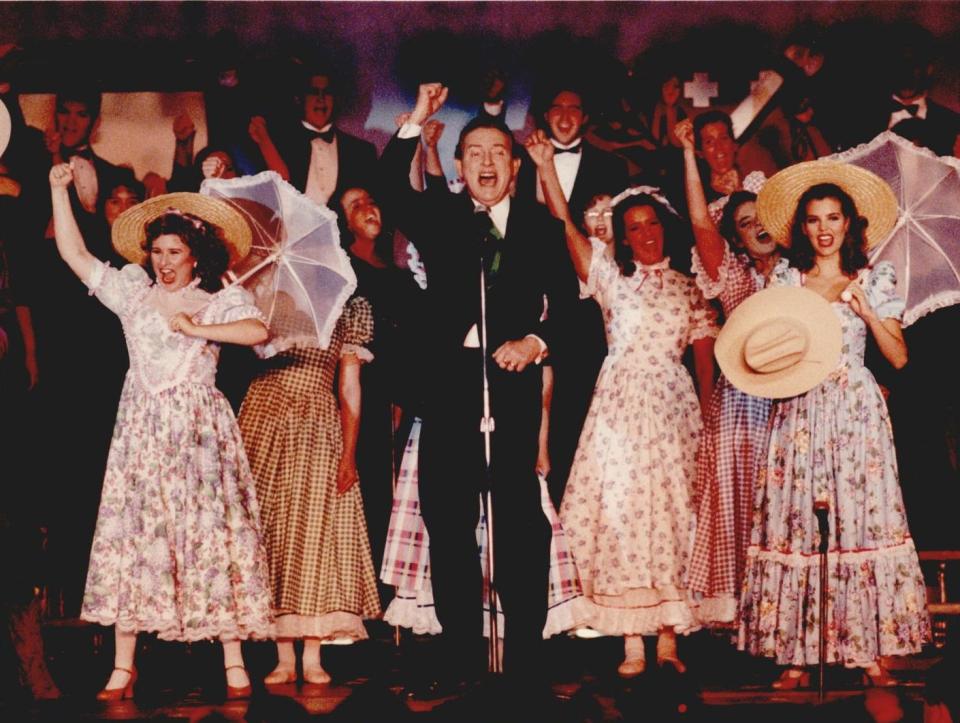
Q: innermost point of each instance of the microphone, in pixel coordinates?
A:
(821, 509)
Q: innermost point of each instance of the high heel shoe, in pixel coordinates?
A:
(791, 679)
(112, 695)
(881, 679)
(238, 693)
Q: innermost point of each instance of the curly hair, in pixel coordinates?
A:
(202, 238)
(676, 243)
(728, 221)
(853, 256)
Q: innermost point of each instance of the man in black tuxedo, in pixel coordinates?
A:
(585, 172)
(522, 252)
(315, 156)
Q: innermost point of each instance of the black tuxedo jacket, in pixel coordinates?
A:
(356, 162)
(599, 172)
(534, 263)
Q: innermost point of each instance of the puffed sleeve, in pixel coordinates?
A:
(712, 288)
(234, 303)
(703, 317)
(118, 289)
(603, 272)
(881, 290)
(357, 321)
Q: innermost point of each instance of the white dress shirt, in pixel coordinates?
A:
(322, 174)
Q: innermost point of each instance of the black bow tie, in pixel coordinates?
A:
(84, 151)
(574, 149)
(325, 136)
(911, 108)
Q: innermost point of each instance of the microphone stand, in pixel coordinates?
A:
(487, 427)
(821, 510)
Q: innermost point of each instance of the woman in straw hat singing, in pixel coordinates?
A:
(627, 508)
(832, 444)
(177, 547)
(731, 264)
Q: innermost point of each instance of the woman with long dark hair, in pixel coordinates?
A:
(833, 445)
(177, 548)
(627, 508)
(730, 263)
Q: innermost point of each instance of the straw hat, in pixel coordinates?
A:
(777, 200)
(6, 126)
(130, 228)
(780, 342)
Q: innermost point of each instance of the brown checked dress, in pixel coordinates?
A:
(321, 570)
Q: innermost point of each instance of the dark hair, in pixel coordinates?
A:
(705, 119)
(131, 184)
(89, 98)
(483, 121)
(728, 221)
(591, 202)
(852, 254)
(382, 245)
(203, 239)
(673, 235)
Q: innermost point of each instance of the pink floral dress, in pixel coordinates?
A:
(834, 444)
(177, 547)
(628, 505)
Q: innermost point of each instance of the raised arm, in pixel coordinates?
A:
(710, 244)
(70, 243)
(268, 149)
(409, 209)
(541, 153)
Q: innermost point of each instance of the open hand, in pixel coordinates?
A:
(61, 175)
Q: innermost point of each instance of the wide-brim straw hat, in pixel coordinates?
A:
(777, 200)
(780, 342)
(6, 127)
(130, 228)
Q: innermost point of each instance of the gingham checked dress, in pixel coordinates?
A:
(321, 570)
(733, 442)
(406, 561)
(628, 508)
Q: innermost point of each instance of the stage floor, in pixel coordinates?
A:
(183, 683)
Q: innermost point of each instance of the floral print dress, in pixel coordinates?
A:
(177, 547)
(834, 444)
(628, 506)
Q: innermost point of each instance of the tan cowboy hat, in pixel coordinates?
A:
(130, 228)
(780, 342)
(6, 126)
(777, 200)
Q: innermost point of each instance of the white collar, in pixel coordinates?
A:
(498, 213)
(576, 143)
(311, 127)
